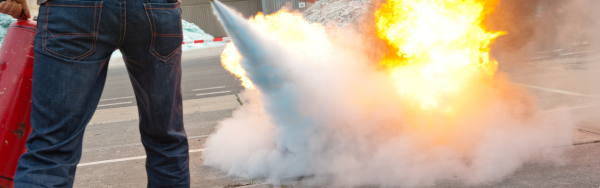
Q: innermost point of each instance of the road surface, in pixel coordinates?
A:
(114, 157)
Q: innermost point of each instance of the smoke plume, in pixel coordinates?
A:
(321, 108)
(543, 25)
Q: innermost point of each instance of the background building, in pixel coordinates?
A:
(33, 7)
(200, 12)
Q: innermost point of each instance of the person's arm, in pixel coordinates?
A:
(14, 8)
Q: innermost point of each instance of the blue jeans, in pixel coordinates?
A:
(73, 45)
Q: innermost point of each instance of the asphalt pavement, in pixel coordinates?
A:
(114, 157)
(202, 77)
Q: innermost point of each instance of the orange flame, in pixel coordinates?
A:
(288, 28)
(230, 59)
(437, 47)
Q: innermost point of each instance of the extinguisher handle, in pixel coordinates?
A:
(22, 16)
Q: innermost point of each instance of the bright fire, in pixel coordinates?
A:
(290, 29)
(415, 102)
(230, 59)
(437, 47)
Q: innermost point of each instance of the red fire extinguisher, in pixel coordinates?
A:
(16, 68)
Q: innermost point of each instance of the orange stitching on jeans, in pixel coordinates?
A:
(84, 54)
(166, 58)
(171, 54)
(165, 8)
(78, 33)
(74, 6)
(121, 26)
(48, 50)
(175, 7)
(51, 34)
(86, 35)
(96, 19)
(152, 20)
(45, 28)
(96, 32)
(45, 24)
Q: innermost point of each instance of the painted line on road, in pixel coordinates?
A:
(197, 150)
(114, 104)
(560, 91)
(209, 88)
(125, 159)
(117, 98)
(201, 136)
(111, 161)
(212, 93)
(134, 144)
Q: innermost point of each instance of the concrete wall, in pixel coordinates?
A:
(200, 13)
(33, 7)
(272, 6)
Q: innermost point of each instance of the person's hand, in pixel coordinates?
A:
(14, 8)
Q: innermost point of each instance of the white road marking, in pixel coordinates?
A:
(575, 53)
(213, 93)
(201, 136)
(117, 98)
(560, 91)
(114, 104)
(111, 161)
(209, 88)
(125, 159)
(197, 150)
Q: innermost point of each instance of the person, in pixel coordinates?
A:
(73, 44)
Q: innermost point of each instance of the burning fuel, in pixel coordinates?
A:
(320, 104)
(436, 48)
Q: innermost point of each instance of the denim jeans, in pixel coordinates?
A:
(73, 45)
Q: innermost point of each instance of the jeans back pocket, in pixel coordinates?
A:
(165, 23)
(70, 28)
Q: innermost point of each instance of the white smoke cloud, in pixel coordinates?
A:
(328, 111)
